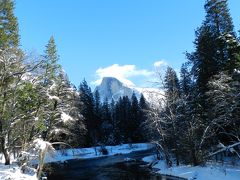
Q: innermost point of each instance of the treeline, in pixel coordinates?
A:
(112, 122)
(201, 111)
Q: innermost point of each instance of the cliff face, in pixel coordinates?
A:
(112, 88)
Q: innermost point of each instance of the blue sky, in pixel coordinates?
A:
(121, 38)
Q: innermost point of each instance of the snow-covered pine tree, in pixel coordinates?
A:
(233, 50)
(60, 113)
(210, 55)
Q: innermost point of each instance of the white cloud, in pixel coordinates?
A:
(122, 73)
(160, 63)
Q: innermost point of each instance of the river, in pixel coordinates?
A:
(106, 168)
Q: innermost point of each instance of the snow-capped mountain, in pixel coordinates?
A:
(112, 88)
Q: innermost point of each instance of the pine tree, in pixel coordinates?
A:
(185, 80)
(171, 85)
(134, 129)
(51, 57)
(107, 125)
(220, 22)
(233, 49)
(122, 118)
(77, 128)
(125, 122)
(113, 121)
(51, 73)
(9, 36)
(97, 114)
(211, 55)
(87, 110)
(188, 121)
(204, 60)
(143, 118)
(218, 16)
(64, 117)
(117, 121)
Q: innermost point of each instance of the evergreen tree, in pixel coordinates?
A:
(143, 118)
(117, 121)
(185, 80)
(98, 114)
(220, 22)
(211, 55)
(50, 77)
(218, 17)
(125, 123)
(188, 123)
(113, 121)
(107, 125)
(65, 122)
(87, 110)
(9, 36)
(122, 120)
(233, 49)
(134, 129)
(51, 57)
(97, 104)
(171, 85)
(204, 60)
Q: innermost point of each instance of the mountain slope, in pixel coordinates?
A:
(111, 88)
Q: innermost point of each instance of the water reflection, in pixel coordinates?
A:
(118, 171)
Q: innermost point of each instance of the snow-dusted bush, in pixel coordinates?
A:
(35, 156)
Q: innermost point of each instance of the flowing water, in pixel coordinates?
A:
(106, 168)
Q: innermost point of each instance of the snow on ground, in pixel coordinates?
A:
(208, 172)
(13, 172)
(95, 152)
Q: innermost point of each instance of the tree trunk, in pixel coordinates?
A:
(194, 158)
(177, 158)
(5, 152)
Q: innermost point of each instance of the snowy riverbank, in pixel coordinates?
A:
(95, 152)
(13, 172)
(208, 172)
